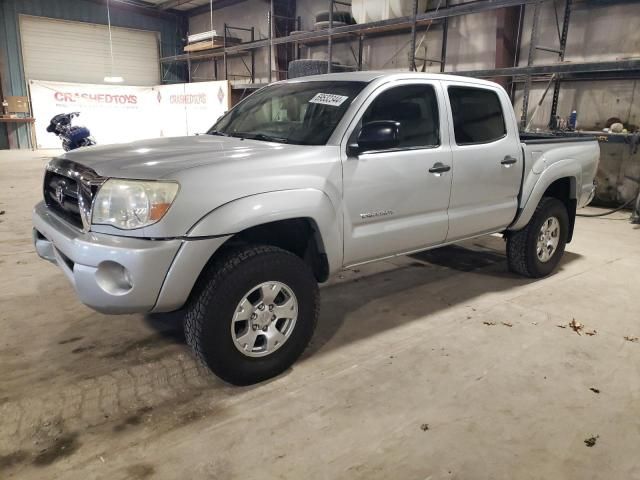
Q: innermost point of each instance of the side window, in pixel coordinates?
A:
(416, 109)
(477, 115)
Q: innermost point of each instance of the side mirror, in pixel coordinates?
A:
(378, 135)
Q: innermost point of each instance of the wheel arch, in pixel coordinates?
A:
(560, 181)
(564, 189)
(300, 236)
(302, 221)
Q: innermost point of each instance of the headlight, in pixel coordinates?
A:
(130, 204)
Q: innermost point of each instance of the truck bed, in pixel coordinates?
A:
(577, 155)
(530, 138)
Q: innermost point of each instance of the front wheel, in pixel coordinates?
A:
(252, 313)
(536, 250)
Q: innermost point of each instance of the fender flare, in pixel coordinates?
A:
(566, 168)
(250, 211)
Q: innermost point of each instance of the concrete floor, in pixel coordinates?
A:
(438, 366)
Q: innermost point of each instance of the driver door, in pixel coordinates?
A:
(393, 204)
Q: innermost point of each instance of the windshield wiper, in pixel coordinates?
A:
(217, 132)
(261, 136)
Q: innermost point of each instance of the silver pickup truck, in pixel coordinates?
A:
(300, 180)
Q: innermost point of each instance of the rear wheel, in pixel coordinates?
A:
(252, 314)
(536, 250)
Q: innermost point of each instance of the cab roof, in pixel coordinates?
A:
(370, 76)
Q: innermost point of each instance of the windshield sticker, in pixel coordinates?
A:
(328, 99)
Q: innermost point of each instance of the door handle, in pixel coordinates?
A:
(439, 168)
(508, 160)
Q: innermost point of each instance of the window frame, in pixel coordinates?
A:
(453, 122)
(361, 85)
(381, 90)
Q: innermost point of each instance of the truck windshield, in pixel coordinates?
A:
(304, 113)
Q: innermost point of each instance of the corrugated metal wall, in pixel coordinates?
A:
(93, 11)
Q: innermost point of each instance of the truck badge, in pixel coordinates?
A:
(379, 213)
(60, 187)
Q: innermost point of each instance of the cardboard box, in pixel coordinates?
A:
(18, 104)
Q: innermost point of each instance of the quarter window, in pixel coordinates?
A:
(416, 109)
(477, 115)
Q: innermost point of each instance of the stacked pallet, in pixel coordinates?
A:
(207, 41)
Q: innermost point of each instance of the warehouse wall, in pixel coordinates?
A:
(471, 43)
(598, 31)
(11, 68)
(248, 14)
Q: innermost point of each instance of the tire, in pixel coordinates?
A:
(215, 304)
(522, 245)
(324, 25)
(339, 16)
(303, 68)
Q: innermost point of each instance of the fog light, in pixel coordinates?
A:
(114, 278)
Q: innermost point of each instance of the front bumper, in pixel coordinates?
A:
(113, 274)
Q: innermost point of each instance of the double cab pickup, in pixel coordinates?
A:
(303, 178)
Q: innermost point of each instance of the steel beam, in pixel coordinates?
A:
(141, 7)
(586, 67)
(171, 4)
(217, 5)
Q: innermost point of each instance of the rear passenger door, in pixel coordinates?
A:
(487, 160)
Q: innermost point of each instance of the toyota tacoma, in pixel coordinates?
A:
(236, 228)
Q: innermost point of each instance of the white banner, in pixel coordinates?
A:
(119, 113)
(199, 104)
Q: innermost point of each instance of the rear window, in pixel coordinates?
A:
(477, 115)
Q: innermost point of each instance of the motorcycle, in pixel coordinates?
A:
(72, 136)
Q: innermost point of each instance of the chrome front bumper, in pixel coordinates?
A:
(114, 274)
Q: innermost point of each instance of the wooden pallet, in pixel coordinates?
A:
(215, 42)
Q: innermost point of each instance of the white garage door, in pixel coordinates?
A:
(65, 51)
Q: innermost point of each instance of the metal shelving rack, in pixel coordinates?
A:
(552, 74)
(347, 32)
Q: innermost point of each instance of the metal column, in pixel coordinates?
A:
(563, 46)
(329, 38)
(270, 25)
(253, 57)
(445, 34)
(412, 53)
(532, 49)
(297, 44)
(224, 52)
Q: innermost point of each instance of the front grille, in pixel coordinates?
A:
(61, 195)
(69, 189)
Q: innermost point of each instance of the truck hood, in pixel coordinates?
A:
(159, 158)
